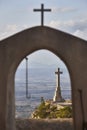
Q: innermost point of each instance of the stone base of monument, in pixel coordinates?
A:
(58, 99)
(62, 100)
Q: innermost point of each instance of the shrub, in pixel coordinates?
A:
(50, 111)
(65, 112)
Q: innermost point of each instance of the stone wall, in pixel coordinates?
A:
(71, 50)
(45, 124)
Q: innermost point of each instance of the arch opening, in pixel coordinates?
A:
(42, 81)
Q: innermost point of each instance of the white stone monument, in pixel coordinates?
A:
(57, 96)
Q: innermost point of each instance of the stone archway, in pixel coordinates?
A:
(72, 51)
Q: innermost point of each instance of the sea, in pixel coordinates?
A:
(41, 83)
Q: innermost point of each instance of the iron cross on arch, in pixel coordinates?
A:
(42, 10)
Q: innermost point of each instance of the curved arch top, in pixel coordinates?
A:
(72, 50)
(60, 43)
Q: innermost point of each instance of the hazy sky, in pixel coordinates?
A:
(67, 15)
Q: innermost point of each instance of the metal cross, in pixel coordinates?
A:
(42, 10)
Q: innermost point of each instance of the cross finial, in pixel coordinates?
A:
(42, 10)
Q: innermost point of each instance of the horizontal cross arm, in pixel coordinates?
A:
(58, 72)
(36, 9)
(47, 9)
(41, 10)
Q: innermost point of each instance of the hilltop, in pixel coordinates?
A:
(52, 110)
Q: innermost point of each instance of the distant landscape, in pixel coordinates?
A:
(42, 82)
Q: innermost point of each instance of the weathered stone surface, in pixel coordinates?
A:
(73, 52)
(44, 124)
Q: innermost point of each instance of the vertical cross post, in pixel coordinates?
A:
(58, 73)
(42, 14)
(42, 10)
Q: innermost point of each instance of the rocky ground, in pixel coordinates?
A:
(44, 124)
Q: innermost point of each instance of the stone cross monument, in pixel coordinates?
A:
(42, 10)
(57, 96)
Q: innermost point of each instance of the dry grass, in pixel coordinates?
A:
(44, 124)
